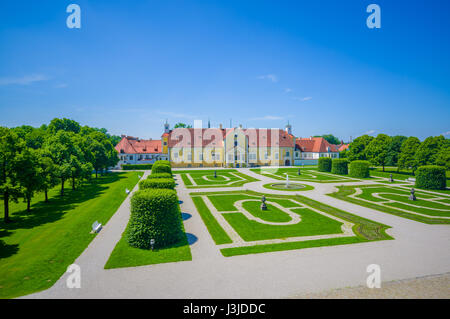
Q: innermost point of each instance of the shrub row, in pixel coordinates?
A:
(161, 167)
(339, 166)
(136, 166)
(324, 164)
(359, 169)
(155, 214)
(431, 177)
(168, 183)
(160, 175)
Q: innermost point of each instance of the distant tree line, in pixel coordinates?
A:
(401, 151)
(35, 160)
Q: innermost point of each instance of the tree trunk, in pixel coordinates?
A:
(46, 195)
(28, 203)
(96, 173)
(62, 186)
(383, 167)
(6, 205)
(73, 183)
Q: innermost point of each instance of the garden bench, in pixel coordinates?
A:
(411, 179)
(96, 227)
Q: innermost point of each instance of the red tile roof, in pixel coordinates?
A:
(315, 145)
(134, 145)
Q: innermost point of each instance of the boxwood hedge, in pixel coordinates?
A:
(359, 169)
(136, 166)
(431, 177)
(324, 164)
(155, 214)
(339, 166)
(161, 167)
(168, 183)
(160, 175)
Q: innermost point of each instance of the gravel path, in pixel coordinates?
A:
(430, 287)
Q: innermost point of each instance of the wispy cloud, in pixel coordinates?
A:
(287, 90)
(267, 117)
(61, 85)
(179, 115)
(270, 77)
(24, 80)
(369, 132)
(446, 133)
(302, 99)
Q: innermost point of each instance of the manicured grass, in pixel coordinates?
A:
(206, 179)
(345, 191)
(124, 255)
(215, 230)
(38, 246)
(305, 188)
(309, 175)
(313, 222)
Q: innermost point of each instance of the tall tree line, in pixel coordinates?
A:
(401, 151)
(35, 160)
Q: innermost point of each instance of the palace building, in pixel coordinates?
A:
(226, 147)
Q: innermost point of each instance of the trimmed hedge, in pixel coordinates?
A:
(165, 162)
(136, 166)
(324, 164)
(431, 177)
(155, 214)
(160, 175)
(161, 167)
(359, 169)
(168, 183)
(339, 166)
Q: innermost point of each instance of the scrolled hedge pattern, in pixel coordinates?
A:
(431, 177)
(155, 214)
(324, 164)
(168, 183)
(339, 166)
(359, 169)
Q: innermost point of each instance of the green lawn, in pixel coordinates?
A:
(206, 179)
(312, 222)
(38, 246)
(400, 196)
(306, 174)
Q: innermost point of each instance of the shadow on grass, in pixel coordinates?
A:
(7, 250)
(43, 213)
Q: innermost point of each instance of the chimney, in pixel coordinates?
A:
(220, 125)
(240, 125)
(310, 138)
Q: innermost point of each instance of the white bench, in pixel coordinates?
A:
(127, 190)
(96, 227)
(411, 179)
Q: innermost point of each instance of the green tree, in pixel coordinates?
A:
(48, 172)
(182, 125)
(377, 150)
(428, 150)
(62, 148)
(357, 149)
(394, 150)
(443, 157)
(330, 138)
(64, 124)
(407, 157)
(11, 146)
(29, 174)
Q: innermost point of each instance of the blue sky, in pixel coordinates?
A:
(260, 63)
